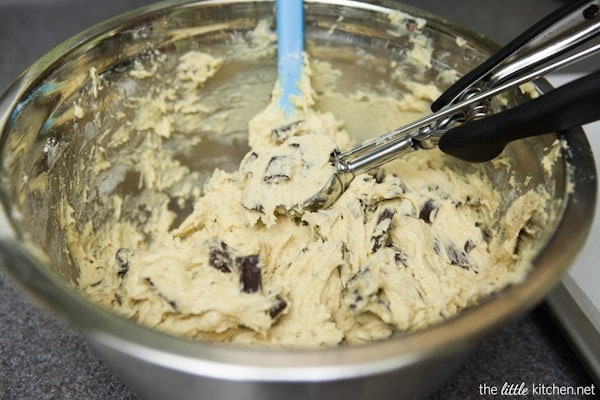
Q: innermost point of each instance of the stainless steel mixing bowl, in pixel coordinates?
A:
(41, 137)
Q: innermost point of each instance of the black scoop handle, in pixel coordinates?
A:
(572, 104)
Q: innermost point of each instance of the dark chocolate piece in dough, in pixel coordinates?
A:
(122, 256)
(278, 170)
(250, 273)
(278, 306)
(172, 303)
(457, 257)
(219, 256)
(283, 132)
(469, 245)
(385, 214)
(429, 211)
(380, 236)
(400, 258)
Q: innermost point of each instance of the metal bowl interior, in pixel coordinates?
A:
(41, 136)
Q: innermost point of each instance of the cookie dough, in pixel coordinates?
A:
(405, 247)
(283, 178)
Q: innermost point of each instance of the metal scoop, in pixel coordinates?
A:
(463, 125)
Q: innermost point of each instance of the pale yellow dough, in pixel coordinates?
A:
(405, 247)
(283, 178)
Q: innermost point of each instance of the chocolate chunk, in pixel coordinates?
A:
(378, 241)
(162, 296)
(250, 274)
(363, 204)
(278, 306)
(353, 292)
(276, 178)
(283, 132)
(429, 211)
(249, 159)
(400, 258)
(486, 232)
(457, 257)
(469, 245)
(219, 256)
(359, 293)
(122, 256)
(385, 214)
(436, 247)
(380, 236)
(278, 170)
(438, 191)
(356, 301)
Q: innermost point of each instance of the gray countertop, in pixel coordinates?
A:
(42, 358)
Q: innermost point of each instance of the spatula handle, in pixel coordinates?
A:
(290, 45)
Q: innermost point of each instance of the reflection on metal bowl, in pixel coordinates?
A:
(38, 108)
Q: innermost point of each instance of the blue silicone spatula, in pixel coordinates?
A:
(290, 36)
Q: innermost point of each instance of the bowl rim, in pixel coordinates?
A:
(107, 329)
